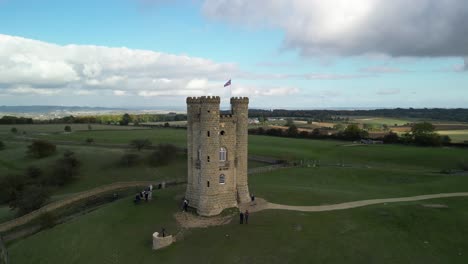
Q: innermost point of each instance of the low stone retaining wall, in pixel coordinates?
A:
(161, 242)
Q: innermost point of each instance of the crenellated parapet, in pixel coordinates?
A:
(225, 118)
(204, 100)
(239, 100)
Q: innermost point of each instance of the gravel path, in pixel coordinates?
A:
(264, 205)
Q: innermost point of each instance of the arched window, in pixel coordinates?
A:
(222, 154)
(199, 154)
(222, 179)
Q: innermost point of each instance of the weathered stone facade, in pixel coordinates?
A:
(217, 154)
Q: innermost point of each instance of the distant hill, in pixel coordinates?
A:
(52, 108)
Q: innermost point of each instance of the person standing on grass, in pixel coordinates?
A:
(246, 216)
(241, 216)
(146, 196)
(150, 192)
(185, 205)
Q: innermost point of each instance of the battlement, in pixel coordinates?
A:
(204, 100)
(239, 100)
(226, 117)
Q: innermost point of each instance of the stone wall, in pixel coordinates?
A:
(161, 242)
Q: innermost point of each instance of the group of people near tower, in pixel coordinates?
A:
(146, 194)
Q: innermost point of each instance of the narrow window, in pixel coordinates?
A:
(208, 133)
(208, 159)
(199, 154)
(222, 154)
(222, 132)
(208, 184)
(222, 179)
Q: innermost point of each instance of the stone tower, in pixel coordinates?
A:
(217, 154)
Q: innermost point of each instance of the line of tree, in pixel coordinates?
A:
(456, 114)
(351, 132)
(11, 120)
(422, 134)
(124, 119)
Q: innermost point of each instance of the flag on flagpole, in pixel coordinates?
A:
(227, 83)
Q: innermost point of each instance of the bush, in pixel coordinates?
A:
(129, 160)
(164, 154)
(139, 144)
(14, 130)
(41, 149)
(67, 129)
(391, 138)
(65, 169)
(167, 124)
(10, 186)
(33, 172)
(32, 197)
(89, 140)
(2, 145)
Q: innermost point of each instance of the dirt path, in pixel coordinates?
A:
(264, 205)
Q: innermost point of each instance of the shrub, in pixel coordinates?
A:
(391, 138)
(14, 130)
(89, 140)
(164, 154)
(167, 124)
(67, 129)
(41, 149)
(139, 144)
(30, 198)
(10, 186)
(2, 145)
(65, 169)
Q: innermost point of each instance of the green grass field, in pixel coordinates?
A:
(99, 166)
(381, 121)
(58, 128)
(121, 233)
(327, 151)
(457, 136)
(326, 185)
(157, 135)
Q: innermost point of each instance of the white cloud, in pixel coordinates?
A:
(342, 27)
(119, 92)
(35, 67)
(31, 66)
(388, 92)
(30, 90)
(263, 91)
(381, 69)
(84, 92)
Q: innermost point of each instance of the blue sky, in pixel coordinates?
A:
(296, 54)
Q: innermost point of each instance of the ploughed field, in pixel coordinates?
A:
(332, 172)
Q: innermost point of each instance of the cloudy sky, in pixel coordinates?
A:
(280, 53)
